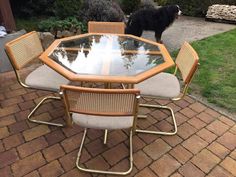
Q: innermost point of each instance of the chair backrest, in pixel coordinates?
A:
(24, 49)
(187, 62)
(106, 27)
(95, 101)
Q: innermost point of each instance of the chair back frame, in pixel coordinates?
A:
(24, 49)
(106, 27)
(28, 42)
(187, 62)
(83, 100)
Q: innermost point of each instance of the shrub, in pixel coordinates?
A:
(146, 4)
(161, 2)
(66, 8)
(26, 8)
(101, 10)
(47, 25)
(128, 6)
(53, 25)
(198, 8)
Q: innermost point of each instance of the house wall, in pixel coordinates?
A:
(6, 16)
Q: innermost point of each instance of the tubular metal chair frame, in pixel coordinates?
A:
(186, 83)
(16, 69)
(70, 110)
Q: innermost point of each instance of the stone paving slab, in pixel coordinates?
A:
(205, 144)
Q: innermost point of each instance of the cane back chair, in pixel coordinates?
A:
(101, 109)
(106, 27)
(21, 52)
(166, 85)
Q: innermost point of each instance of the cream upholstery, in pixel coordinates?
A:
(103, 122)
(45, 78)
(166, 85)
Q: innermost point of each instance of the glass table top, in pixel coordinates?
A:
(103, 55)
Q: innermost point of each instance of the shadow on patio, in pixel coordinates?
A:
(204, 145)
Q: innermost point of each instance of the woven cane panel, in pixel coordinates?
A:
(100, 103)
(25, 49)
(106, 27)
(186, 61)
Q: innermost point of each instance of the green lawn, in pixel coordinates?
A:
(216, 78)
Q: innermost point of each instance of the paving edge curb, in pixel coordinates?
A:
(214, 107)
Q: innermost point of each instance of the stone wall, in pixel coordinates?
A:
(47, 38)
(225, 13)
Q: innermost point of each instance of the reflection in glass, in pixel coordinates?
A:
(107, 55)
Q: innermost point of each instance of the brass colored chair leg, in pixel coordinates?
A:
(101, 171)
(35, 109)
(159, 132)
(142, 116)
(105, 137)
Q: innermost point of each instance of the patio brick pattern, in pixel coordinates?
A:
(205, 144)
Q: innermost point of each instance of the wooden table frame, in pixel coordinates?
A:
(108, 79)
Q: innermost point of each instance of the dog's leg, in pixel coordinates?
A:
(138, 32)
(134, 30)
(158, 36)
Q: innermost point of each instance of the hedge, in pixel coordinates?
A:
(198, 7)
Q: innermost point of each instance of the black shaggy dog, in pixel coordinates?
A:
(152, 19)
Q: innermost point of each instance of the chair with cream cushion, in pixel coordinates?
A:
(106, 27)
(21, 52)
(166, 85)
(98, 108)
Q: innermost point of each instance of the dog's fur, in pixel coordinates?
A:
(152, 19)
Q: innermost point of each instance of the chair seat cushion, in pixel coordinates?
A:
(103, 122)
(161, 85)
(45, 78)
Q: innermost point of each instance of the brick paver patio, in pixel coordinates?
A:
(205, 144)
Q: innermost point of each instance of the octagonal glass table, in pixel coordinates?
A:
(109, 58)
